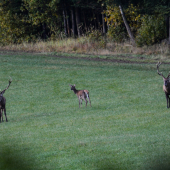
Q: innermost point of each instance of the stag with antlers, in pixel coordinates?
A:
(81, 94)
(166, 85)
(3, 103)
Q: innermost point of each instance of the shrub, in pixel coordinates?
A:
(95, 36)
(117, 34)
(152, 30)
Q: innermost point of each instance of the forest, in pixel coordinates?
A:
(144, 22)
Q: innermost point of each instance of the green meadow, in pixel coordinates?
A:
(127, 127)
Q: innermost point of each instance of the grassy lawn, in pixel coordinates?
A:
(127, 126)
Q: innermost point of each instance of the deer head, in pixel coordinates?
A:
(73, 87)
(165, 79)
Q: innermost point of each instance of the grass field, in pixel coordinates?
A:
(127, 126)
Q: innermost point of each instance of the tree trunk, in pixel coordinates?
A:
(73, 22)
(44, 35)
(78, 21)
(167, 25)
(107, 24)
(65, 24)
(169, 31)
(84, 18)
(103, 23)
(127, 26)
(68, 24)
(95, 21)
(98, 21)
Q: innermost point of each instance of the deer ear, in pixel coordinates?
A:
(74, 85)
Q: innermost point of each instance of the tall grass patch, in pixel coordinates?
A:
(92, 44)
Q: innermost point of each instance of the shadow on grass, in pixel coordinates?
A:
(11, 159)
(159, 162)
(19, 158)
(107, 164)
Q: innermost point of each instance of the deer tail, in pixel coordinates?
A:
(87, 93)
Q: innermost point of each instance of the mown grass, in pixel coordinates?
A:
(127, 126)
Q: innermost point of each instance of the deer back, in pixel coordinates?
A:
(86, 91)
(81, 94)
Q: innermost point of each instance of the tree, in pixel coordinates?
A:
(127, 26)
(39, 14)
(13, 29)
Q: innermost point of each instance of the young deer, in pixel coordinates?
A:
(3, 103)
(166, 85)
(81, 94)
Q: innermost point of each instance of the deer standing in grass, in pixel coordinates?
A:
(81, 94)
(166, 85)
(3, 103)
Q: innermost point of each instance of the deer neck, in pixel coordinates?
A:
(75, 91)
(166, 88)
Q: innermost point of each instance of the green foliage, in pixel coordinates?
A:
(23, 21)
(13, 29)
(117, 34)
(114, 20)
(29, 20)
(95, 36)
(152, 30)
(117, 30)
(39, 11)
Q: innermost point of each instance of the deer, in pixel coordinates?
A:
(166, 85)
(81, 94)
(3, 103)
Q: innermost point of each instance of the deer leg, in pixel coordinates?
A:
(89, 101)
(167, 99)
(79, 103)
(85, 101)
(87, 95)
(5, 114)
(2, 114)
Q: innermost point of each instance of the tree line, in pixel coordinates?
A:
(29, 20)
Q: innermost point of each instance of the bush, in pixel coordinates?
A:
(95, 36)
(117, 34)
(152, 30)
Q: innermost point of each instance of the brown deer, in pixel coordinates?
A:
(166, 85)
(81, 94)
(3, 103)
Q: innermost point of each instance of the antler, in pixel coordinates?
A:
(160, 73)
(3, 91)
(9, 83)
